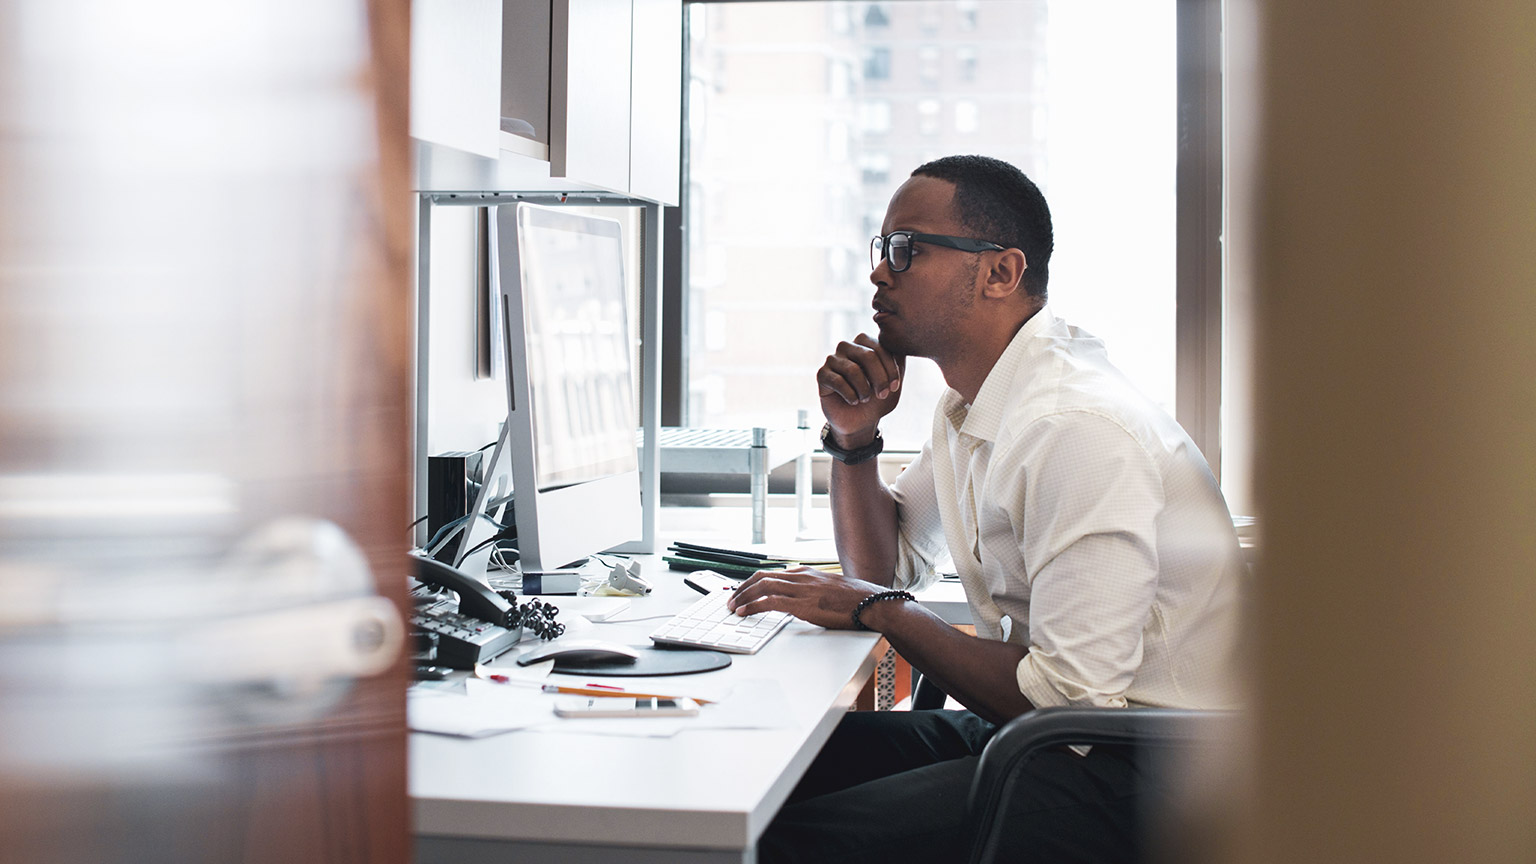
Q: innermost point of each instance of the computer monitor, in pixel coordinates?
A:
(569, 439)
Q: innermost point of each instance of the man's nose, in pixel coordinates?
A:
(881, 275)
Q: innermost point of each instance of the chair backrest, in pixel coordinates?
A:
(1043, 728)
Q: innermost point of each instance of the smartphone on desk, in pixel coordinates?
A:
(616, 706)
(708, 582)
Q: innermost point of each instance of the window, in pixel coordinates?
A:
(928, 64)
(965, 62)
(966, 117)
(928, 116)
(875, 117)
(965, 14)
(875, 170)
(929, 16)
(877, 63)
(1081, 99)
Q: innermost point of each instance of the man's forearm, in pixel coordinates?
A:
(864, 521)
(979, 673)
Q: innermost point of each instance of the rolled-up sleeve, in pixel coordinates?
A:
(920, 534)
(1088, 533)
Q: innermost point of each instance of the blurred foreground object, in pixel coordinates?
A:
(1396, 457)
(204, 408)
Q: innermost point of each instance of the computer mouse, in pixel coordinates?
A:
(579, 650)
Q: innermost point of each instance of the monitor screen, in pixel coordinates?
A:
(568, 445)
(576, 324)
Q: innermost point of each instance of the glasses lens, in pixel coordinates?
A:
(898, 248)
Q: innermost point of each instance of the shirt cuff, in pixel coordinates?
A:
(1044, 689)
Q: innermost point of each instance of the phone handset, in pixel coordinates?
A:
(476, 599)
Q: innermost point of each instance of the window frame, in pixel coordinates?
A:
(1200, 172)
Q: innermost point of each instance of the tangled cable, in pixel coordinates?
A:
(536, 615)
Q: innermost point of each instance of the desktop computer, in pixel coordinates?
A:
(566, 455)
(453, 483)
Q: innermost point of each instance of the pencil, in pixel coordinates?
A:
(589, 690)
(593, 691)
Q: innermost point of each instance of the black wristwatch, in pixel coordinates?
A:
(854, 456)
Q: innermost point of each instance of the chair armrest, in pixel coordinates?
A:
(1043, 728)
(926, 693)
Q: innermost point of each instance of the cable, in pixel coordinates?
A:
(418, 522)
(478, 546)
(500, 562)
(449, 531)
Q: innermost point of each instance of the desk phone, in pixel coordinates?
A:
(477, 631)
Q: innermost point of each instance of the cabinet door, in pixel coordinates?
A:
(657, 100)
(456, 74)
(590, 92)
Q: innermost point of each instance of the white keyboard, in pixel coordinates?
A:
(708, 624)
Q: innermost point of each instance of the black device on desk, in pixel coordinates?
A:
(476, 632)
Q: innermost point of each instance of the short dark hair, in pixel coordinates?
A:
(997, 202)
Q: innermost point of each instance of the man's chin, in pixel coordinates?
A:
(893, 343)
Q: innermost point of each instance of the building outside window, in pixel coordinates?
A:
(1080, 95)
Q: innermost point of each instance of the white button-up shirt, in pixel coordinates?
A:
(1085, 526)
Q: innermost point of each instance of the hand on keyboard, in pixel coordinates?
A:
(709, 624)
(817, 596)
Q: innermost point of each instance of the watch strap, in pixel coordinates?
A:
(854, 456)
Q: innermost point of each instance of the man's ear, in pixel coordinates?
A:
(1006, 275)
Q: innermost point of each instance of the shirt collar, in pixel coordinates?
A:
(982, 418)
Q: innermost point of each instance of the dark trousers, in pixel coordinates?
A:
(891, 786)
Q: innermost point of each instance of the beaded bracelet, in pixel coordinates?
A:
(876, 598)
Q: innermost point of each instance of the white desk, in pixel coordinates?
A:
(701, 796)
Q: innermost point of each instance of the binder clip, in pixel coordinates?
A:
(626, 578)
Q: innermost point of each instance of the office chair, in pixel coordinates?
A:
(1021, 737)
(1016, 741)
(1043, 728)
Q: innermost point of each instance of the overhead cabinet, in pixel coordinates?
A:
(590, 96)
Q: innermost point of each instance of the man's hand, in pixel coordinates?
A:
(859, 384)
(823, 598)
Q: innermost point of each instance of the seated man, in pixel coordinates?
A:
(1096, 551)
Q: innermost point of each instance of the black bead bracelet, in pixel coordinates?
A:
(876, 598)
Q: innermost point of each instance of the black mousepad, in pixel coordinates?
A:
(652, 661)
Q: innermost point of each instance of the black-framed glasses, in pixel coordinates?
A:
(896, 247)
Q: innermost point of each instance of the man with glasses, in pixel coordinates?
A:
(1096, 551)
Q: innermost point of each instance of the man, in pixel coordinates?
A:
(1096, 551)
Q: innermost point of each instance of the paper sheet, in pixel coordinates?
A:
(750, 704)
(446, 713)
(492, 693)
(590, 608)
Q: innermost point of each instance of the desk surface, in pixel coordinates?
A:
(700, 796)
(709, 791)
